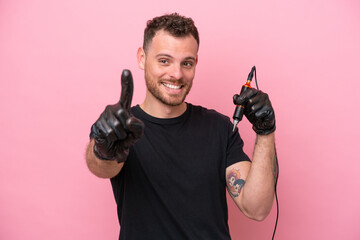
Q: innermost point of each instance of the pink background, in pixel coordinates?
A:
(60, 63)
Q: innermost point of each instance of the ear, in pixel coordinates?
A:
(141, 57)
(197, 59)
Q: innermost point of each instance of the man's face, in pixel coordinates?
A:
(169, 64)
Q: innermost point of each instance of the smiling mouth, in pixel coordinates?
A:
(172, 86)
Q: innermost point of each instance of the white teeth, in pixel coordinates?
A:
(171, 86)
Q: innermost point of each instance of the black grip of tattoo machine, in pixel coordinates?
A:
(239, 109)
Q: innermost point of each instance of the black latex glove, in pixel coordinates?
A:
(116, 129)
(258, 110)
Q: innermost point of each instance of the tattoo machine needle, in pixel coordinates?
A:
(239, 110)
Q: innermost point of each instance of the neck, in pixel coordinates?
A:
(158, 109)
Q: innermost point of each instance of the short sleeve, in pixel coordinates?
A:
(234, 151)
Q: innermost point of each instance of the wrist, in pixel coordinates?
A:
(265, 140)
(266, 131)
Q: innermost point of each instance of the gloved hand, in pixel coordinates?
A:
(258, 110)
(116, 129)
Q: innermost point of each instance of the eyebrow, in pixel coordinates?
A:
(164, 55)
(169, 56)
(190, 58)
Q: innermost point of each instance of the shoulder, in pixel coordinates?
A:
(137, 112)
(211, 114)
(135, 108)
(209, 119)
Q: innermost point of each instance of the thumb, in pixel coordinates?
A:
(135, 126)
(127, 89)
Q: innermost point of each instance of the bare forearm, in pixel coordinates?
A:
(258, 192)
(101, 168)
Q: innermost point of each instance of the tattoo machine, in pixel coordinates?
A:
(239, 110)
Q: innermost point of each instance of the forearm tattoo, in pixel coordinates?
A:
(234, 182)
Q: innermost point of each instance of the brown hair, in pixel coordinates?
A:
(175, 24)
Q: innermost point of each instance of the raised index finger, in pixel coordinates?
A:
(127, 88)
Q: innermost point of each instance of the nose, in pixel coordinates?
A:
(176, 72)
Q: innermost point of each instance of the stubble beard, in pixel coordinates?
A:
(170, 100)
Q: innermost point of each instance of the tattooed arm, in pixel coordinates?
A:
(251, 185)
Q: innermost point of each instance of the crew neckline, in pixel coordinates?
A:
(138, 111)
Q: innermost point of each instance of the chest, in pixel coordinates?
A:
(184, 158)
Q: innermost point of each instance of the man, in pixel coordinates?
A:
(170, 161)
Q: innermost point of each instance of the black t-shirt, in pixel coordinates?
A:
(172, 185)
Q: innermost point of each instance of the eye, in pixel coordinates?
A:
(188, 64)
(164, 61)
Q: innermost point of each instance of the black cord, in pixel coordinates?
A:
(276, 196)
(254, 69)
(276, 176)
